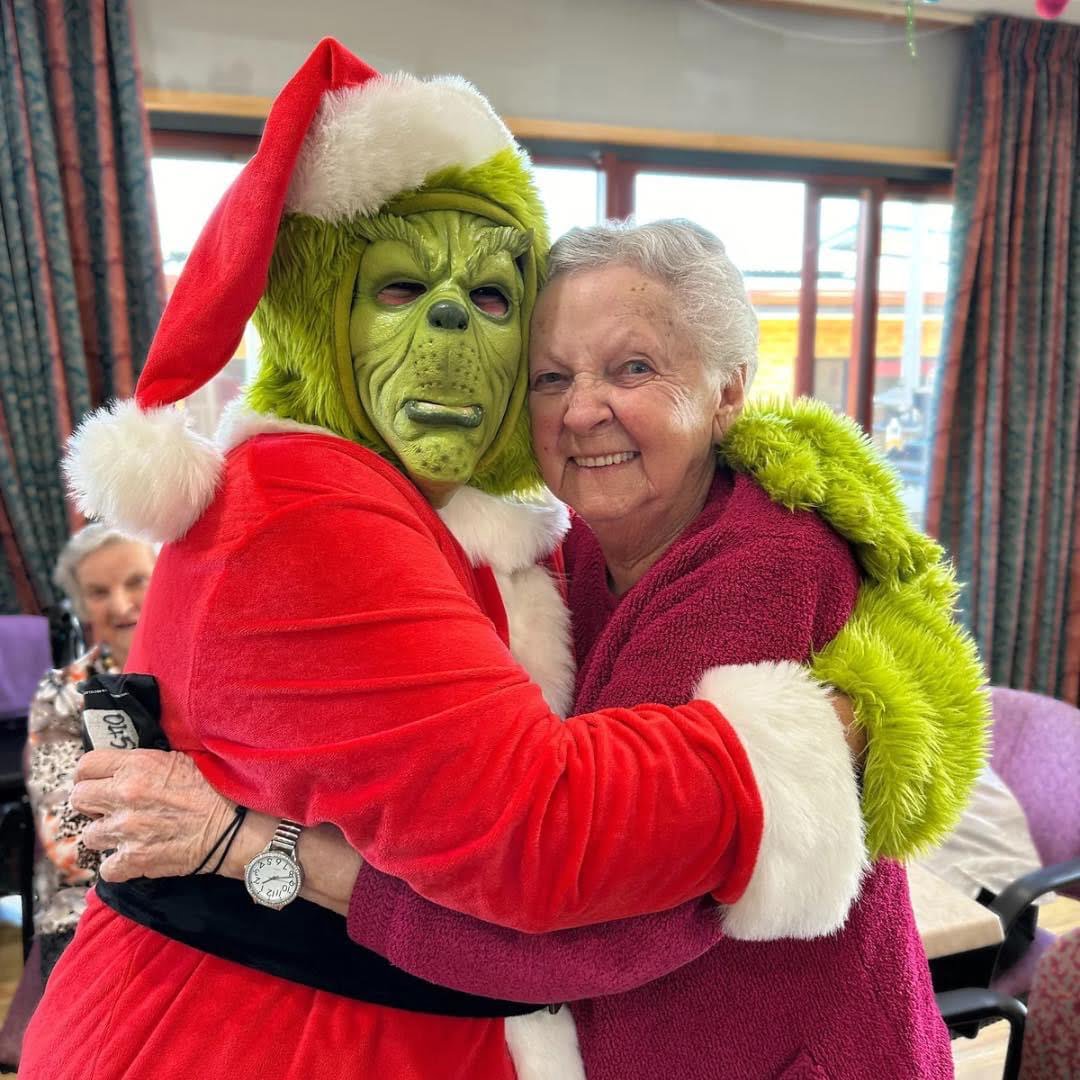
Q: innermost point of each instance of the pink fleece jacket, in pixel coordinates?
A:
(669, 994)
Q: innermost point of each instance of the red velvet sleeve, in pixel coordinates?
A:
(343, 674)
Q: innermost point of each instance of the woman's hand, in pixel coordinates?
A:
(160, 818)
(153, 810)
(854, 732)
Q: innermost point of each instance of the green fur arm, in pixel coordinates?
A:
(912, 673)
(915, 681)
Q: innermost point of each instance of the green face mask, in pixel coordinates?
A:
(435, 335)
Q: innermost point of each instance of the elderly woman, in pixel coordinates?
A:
(104, 574)
(643, 344)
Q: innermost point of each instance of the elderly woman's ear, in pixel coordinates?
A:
(729, 404)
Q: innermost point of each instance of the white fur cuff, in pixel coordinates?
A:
(544, 1046)
(812, 855)
(372, 142)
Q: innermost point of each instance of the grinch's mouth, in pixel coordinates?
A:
(431, 412)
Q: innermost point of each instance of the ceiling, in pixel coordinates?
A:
(965, 10)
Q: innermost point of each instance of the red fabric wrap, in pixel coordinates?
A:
(326, 653)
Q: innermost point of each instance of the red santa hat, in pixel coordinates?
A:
(340, 140)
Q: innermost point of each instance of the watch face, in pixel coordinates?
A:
(273, 879)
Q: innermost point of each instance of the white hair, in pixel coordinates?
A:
(85, 542)
(692, 263)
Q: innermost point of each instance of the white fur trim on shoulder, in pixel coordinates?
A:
(506, 534)
(372, 142)
(239, 422)
(540, 638)
(544, 1046)
(143, 471)
(812, 857)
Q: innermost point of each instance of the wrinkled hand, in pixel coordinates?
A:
(854, 733)
(153, 810)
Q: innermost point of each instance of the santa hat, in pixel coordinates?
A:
(340, 140)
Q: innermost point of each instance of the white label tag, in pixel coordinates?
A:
(110, 729)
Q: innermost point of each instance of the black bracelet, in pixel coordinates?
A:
(241, 813)
(225, 838)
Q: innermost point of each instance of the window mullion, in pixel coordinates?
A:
(808, 293)
(860, 396)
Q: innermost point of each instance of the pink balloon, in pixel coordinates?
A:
(1050, 9)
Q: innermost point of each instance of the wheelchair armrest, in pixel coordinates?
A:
(974, 1004)
(1016, 897)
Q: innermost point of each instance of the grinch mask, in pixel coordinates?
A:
(406, 330)
(435, 336)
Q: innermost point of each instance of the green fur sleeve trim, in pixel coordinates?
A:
(916, 684)
(912, 673)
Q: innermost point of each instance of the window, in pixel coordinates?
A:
(912, 278)
(761, 225)
(834, 324)
(847, 274)
(571, 196)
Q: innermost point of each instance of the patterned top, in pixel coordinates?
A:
(66, 869)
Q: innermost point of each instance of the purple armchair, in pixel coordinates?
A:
(1036, 747)
(25, 655)
(1036, 750)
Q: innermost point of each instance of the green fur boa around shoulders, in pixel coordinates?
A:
(926, 731)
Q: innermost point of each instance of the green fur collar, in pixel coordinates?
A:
(807, 457)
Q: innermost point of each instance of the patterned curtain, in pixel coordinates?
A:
(81, 287)
(1004, 488)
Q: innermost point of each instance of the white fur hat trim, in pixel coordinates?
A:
(372, 142)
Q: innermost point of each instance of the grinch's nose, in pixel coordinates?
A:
(448, 315)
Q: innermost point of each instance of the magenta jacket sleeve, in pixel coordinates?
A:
(463, 953)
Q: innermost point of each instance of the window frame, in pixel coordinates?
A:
(618, 167)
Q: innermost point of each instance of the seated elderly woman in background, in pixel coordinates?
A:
(643, 344)
(104, 574)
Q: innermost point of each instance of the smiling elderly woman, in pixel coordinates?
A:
(634, 382)
(104, 574)
(643, 344)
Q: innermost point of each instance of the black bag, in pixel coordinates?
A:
(122, 712)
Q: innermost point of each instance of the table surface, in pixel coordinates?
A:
(949, 922)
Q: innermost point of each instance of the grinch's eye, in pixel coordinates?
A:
(490, 301)
(400, 292)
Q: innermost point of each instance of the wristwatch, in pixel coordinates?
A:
(274, 877)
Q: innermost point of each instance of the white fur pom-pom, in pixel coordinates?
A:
(143, 471)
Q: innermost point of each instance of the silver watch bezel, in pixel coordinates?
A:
(274, 850)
